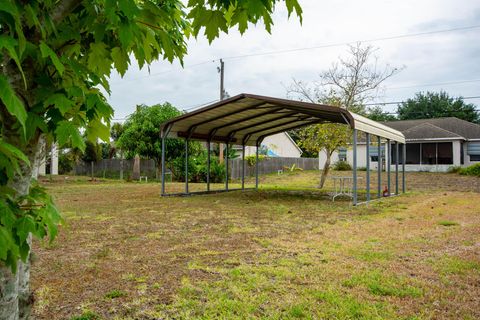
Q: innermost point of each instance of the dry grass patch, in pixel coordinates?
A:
(126, 253)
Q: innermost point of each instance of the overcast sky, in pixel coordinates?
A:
(430, 59)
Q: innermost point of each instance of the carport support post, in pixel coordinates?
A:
(404, 151)
(243, 167)
(388, 156)
(226, 166)
(208, 165)
(368, 166)
(186, 166)
(355, 195)
(256, 167)
(379, 167)
(397, 155)
(163, 164)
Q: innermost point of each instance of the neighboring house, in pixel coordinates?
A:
(49, 164)
(277, 145)
(432, 145)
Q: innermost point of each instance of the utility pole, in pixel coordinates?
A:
(221, 70)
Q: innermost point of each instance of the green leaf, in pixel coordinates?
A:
(97, 129)
(6, 243)
(120, 60)
(10, 44)
(67, 131)
(48, 52)
(12, 152)
(240, 17)
(60, 101)
(128, 7)
(216, 22)
(125, 35)
(294, 5)
(24, 226)
(13, 104)
(99, 59)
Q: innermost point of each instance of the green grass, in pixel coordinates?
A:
(115, 294)
(381, 284)
(447, 223)
(451, 265)
(86, 315)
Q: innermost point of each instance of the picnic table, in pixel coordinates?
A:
(342, 186)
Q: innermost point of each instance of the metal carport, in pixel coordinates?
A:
(246, 119)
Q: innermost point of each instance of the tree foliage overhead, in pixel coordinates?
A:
(437, 105)
(377, 114)
(56, 55)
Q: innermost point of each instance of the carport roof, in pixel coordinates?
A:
(247, 119)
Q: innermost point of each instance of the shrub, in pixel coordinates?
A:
(454, 169)
(65, 163)
(252, 159)
(197, 169)
(473, 170)
(342, 166)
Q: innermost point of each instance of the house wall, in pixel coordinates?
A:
(362, 162)
(467, 161)
(279, 143)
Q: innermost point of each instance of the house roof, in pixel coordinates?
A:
(428, 131)
(437, 128)
(247, 119)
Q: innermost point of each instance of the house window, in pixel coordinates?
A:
(475, 157)
(444, 153)
(429, 152)
(342, 154)
(393, 153)
(374, 158)
(413, 153)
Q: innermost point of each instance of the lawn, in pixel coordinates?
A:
(126, 253)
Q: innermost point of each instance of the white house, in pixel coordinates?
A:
(277, 145)
(49, 163)
(432, 145)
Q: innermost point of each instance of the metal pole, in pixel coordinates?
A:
(388, 155)
(243, 167)
(226, 166)
(368, 166)
(163, 165)
(379, 169)
(256, 168)
(186, 165)
(404, 160)
(208, 165)
(355, 195)
(397, 155)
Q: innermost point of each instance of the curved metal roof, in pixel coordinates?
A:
(247, 119)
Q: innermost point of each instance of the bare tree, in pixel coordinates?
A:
(349, 83)
(353, 81)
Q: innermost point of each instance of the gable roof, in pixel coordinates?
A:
(436, 128)
(425, 131)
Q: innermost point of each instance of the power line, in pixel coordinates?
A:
(353, 42)
(399, 102)
(310, 48)
(433, 84)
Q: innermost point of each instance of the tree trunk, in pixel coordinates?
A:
(16, 299)
(326, 168)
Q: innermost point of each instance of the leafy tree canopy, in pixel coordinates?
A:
(377, 114)
(56, 55)
(436, 105)
(141, 134)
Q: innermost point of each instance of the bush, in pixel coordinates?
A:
(65, 163)
(197, 169)
(454, 169)
(342, 166)
(473, 170)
